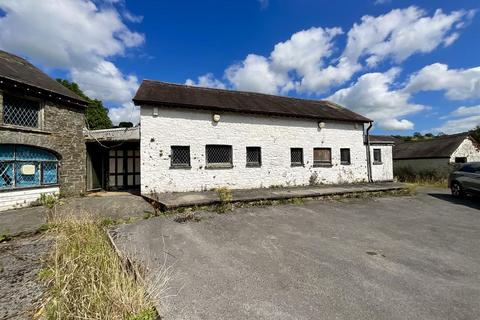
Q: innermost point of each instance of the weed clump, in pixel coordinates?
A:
(226, 197)
(86, 278)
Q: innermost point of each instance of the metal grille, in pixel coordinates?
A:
(254, 156)
(296, 156)
(20, 112)
(180, 156)
(49, 172)
(6, 175)
(377, 155)
(219, 155)
(345, 156)
(322, 156)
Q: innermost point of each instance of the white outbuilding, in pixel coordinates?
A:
(195, 139)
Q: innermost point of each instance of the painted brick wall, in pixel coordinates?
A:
(275, 135)
(467, 149)
(22, 198)
(383, 171)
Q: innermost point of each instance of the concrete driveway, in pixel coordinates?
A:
(384, 258)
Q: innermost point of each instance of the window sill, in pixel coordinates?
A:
(345, 163)
(323, 165)
(43, 186)
(377, 163)
(219, 166)
(180, 167)
(23, 129)
(253, 165)
(296, 165)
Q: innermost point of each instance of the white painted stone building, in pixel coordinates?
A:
(195, 139)
(439, 155)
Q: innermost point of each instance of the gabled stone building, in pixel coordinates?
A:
(42, 149)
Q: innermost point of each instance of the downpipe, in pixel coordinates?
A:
(369, 159)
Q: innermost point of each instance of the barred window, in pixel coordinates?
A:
(254, 157)
(296, 156)
(180, 157)
(377, 156)
(219, 156)
(345, 156)
(322, 156)
(20, 112)
(23, 166)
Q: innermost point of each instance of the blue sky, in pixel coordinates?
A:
(409, 65)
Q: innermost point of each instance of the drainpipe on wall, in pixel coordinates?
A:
(369, 159)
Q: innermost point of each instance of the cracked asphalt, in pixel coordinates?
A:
(381, 258)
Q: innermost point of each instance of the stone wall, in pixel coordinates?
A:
(61, 131)
(275, 136)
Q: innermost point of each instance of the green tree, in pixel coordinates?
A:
(96, 114)
(125, 125)
(476, 133)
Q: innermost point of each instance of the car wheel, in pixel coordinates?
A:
(457, 190)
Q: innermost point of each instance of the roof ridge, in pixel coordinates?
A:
(244, 92)
(448, 136)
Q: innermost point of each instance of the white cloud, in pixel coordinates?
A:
(458, 84)
(208, 81)
(305, 62)
(463, 119)
(400, 34)
(372, 96)
(255, 73)
(127, 112)
(73, 35)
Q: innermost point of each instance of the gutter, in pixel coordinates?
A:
(369, 158)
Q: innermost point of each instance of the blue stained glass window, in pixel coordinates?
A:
(24, 166)
(49, 172)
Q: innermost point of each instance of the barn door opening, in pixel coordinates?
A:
(124, 169)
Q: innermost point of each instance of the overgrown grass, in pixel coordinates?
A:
(226, 197)
(422, 177)
(87, 279)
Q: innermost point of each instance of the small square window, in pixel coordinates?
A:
(322, 157)
(180, 157)
(345, 156)
(20, 112)
(254, 157)
(219, 156)
(460, 160)
(377, 156)
(296, 156)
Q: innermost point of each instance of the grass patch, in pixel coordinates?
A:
(5, 237)
(226, 197)
(422, 178)
(87, 279)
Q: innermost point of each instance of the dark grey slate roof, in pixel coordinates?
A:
(175, 95)
(441, 147)
(384, 139)
(19, 71)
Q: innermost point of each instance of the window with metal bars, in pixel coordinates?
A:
(322, 157)
(254, 157)
(218, 156)
(345, 156)
(180, 157)
(20, 112)
(377, 156)
(24, 167)
(296, 157)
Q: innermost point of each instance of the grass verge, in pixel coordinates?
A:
(87, 279)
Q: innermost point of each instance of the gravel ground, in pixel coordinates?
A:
(20, 261)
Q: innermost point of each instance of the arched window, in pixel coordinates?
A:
(24, 167)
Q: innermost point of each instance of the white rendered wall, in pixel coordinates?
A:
(22, 198)
(384, 170)
(467, 149)
(275, 136)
